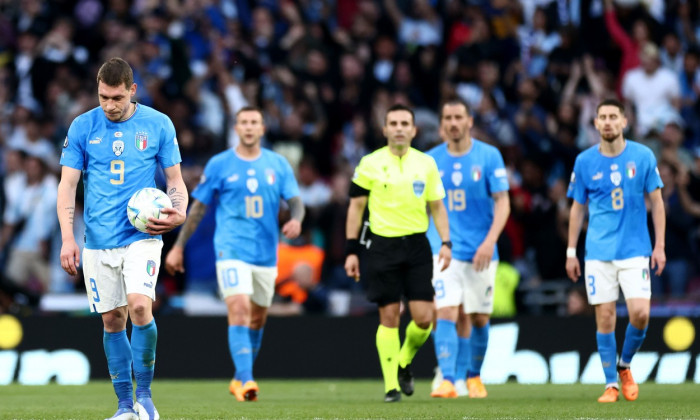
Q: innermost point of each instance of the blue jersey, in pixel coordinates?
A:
(248, 196)
(469, 181)
(117, 159)
(615, 188)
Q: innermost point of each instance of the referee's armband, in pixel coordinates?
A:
(352, 247)
(357, 191)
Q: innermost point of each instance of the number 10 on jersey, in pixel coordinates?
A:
(253, 206)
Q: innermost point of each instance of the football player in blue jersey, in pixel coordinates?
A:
(117, 148)
(612, 178)
(478, 206)
(246, 183)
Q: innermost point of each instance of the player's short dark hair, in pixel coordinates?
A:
(455, 101)
(400, 107)
(114, 72)
(252, 108)
(611, 102)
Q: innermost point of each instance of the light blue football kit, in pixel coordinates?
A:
(614, 188)
(117, 159)
(470, 180)
(247, 193)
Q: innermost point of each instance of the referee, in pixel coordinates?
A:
(397, 182)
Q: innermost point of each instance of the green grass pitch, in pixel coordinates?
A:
(349, 399)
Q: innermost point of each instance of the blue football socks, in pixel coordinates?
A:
(255, 341)
(479, 343)
(446, 344)
(633, 341)
(463, 358)
(241, 352)
(143, 348)
(607, 349)
(118, 352)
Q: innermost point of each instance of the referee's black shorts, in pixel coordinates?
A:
(399, 266)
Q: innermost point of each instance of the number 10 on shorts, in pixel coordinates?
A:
(230, 278)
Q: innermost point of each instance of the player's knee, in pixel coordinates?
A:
(139, 310)
(639, 318)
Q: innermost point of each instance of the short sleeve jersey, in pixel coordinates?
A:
(614, 188)
(470, 180)
(399, 189)
(247, 196)
(117, 159)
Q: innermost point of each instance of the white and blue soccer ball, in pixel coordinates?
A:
(145, 203)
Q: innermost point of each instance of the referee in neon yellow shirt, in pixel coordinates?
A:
(398, 183)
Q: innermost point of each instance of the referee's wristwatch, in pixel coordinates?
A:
(447, 244)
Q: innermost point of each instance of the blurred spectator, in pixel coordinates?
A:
(537, 42)
(630, 46)
(314, 193)
(298, 288)
(28, 223)
(654, 91)
(673, 282)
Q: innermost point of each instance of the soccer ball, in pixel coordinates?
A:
(145, 203)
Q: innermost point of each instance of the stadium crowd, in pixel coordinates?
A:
(325, 72)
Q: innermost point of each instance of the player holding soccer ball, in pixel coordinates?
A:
(118, 146)
(246, 183)
(613, 178)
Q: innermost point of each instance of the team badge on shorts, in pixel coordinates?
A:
(151, 268)
(418, 187)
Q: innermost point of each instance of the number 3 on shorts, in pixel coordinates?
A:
(591, 285)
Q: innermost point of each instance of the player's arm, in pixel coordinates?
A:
(501, 211)
(292, 228)
(573, 268)
(177, 191)
(356, 209)
(442, 224)
(174, 259)
(65, 208)
(658, 216)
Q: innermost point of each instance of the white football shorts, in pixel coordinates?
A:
(236, 277)
(111, 274)
(461, 284)
(605, 278)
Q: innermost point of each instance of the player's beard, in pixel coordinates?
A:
(610, 137)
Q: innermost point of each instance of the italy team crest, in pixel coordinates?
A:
(631, 170)
(270, 176)
(141, 140)
(151, 268)
(476, 173)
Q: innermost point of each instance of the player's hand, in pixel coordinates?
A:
(160, 226)
(482, 257)
(291, 229)
(352, 266)
(444, 257)
(70, 257)
(658, 260)
(173, 261)
(573, 269)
